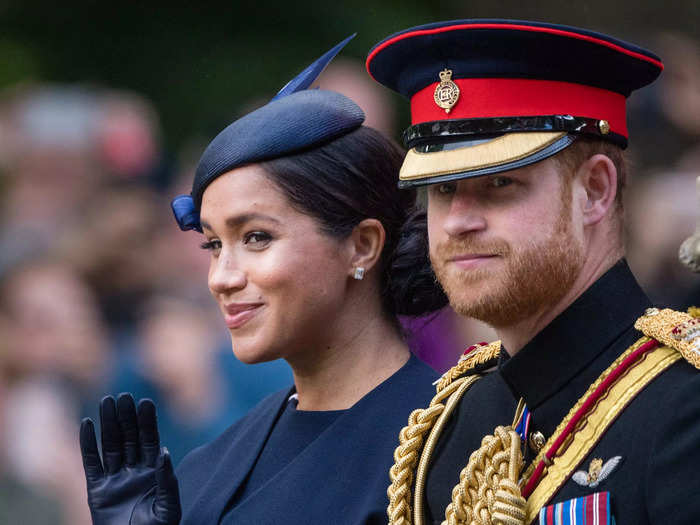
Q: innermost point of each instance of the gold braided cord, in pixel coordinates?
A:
(488, 492)
(406, 455)
(425, 457)
(467, 362)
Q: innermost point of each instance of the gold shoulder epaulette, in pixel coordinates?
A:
(694, 311)
(677, 330)
(474, 356)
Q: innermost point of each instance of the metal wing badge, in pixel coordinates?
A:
(597, 472)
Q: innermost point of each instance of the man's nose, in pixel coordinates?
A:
(464, 215)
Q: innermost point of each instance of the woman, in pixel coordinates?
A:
(314, 252)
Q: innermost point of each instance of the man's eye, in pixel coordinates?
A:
(499, 181)
(447, 188)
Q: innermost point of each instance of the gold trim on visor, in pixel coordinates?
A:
(501, 150)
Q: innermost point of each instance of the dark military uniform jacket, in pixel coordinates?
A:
(652, 450)
(339, 478)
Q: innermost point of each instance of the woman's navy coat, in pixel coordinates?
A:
(340, 478)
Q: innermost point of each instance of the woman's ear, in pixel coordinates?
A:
(598, 177)
(367, 242)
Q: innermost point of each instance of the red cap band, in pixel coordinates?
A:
(517, 97)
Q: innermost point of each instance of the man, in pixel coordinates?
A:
(518, 130)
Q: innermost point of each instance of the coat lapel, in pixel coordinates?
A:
(237, 459)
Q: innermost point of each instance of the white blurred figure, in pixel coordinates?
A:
(56, 352)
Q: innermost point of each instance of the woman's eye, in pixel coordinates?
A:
(257, 239)
(212, 246)
(499, 182)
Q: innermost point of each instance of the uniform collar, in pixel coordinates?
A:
(566, 346)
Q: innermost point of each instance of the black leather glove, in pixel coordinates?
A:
(136, 485)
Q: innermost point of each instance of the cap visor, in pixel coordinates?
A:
(509, 151)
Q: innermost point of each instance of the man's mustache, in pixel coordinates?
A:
(447, 250)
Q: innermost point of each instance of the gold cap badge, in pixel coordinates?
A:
(446, 92)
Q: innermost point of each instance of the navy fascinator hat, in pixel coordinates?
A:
(296, 119)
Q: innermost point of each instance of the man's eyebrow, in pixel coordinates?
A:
(238, 220)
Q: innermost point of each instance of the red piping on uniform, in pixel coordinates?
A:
(587, 405)
(518, 97)
(550, 30)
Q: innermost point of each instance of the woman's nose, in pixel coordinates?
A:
(225, 275)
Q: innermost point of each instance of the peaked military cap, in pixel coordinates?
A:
(492, 95)
(296, 119)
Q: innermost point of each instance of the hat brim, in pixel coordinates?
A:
(503, 153)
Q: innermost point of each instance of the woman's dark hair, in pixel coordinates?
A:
(353, 178)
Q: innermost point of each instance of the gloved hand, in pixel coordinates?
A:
(136, 485)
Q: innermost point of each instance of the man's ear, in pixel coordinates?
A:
(598, 177)
(367, 242)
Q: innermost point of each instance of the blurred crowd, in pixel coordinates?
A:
(101, 293)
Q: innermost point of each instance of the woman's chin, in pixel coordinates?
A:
(251, 356)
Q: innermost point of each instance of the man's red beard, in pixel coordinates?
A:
(518, 283)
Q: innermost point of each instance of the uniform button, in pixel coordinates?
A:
(537, 441)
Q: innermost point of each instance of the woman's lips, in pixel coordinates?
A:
(471, 261)
(236, 315)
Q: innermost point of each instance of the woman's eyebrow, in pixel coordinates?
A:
(238, 220)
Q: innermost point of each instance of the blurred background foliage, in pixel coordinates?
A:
(198, 63)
